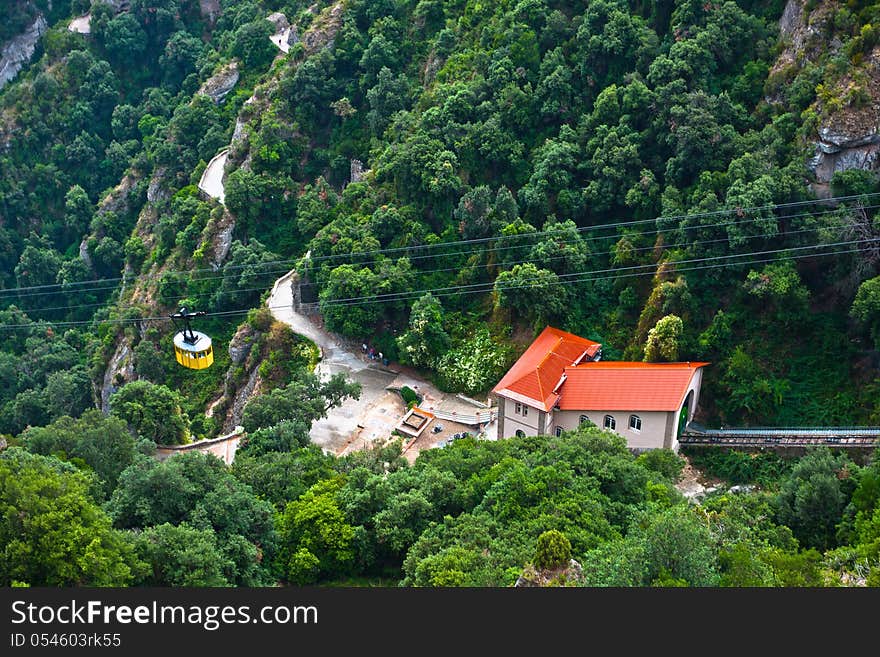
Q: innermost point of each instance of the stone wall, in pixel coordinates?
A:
(223, 448)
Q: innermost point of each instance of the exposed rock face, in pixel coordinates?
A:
(221, 83)
(241, 397)
(839, 151)
(84, 252)
(569, 575)
(848, 136)
(119, 372)
(357, 171)
(210, 9)
(323, 30)
(222, 240)
(19, 50)
(241, 343)
(117, 200)
(292, 35)
(81, 24)
(279, 20)
(157, 190)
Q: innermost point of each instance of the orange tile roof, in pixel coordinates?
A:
(622, 386)
(538, 371)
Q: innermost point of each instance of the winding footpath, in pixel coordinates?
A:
(334, 432)
(211, 182)
(374, 416)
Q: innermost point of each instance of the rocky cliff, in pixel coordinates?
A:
(18, 52)
(847, 105)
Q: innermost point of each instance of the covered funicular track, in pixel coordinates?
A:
(781, 437)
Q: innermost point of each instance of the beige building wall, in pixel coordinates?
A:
(694, 388)
(510, 421)
(659, 428)
(651, 436)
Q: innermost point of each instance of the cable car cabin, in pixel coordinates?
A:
(197, 354)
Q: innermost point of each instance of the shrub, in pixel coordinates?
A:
(410, 398)
(474, 365)
(553, 550)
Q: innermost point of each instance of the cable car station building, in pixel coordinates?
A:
(560, 382)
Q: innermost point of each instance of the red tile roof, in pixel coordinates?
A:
(539, 370)
(537, 378)
(620, 386)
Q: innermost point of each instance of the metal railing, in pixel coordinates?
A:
(782, 436)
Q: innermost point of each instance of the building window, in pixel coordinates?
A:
(525, 410)
(517, 408)
(558, 430)
(635, 423)
(610, 422)
(520, 433)
(583, 419)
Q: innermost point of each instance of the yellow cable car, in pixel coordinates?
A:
(192, 349)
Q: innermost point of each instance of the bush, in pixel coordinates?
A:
(474, 365)
(410, 398)
(553, 550)
(663, 461)
(738, 467)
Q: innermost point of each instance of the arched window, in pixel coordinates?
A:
(610, 422)
(558, 430)
(520, 433)
(635, 423)
(583, 419)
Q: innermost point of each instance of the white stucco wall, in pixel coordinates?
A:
(651, 435)
(528, 424)
(659, 428)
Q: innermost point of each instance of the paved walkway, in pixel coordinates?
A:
(336, 431)
(212, 177)
(357, 423)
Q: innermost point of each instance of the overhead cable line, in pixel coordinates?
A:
(536, 233)
(221, 274)
(236, 290)
(480, 288)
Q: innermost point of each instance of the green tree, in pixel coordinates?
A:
(553, 550)
(148, 361)
(38, 265)
(103, 443)
(780, 284)
(251, 44)
(664, 339)
(426, 338)
(315, 540)
(812, 498)
(181, 555)
(198, 489)
(152, 411)
(474, 213)
(866, 308)
(281, 477)
(124, 39)
(664, 462)
(51, 531)
(78, 211)
(532, 293)
(285, 436)
(303, 400)
(314, 209)
(388, 96)
(179, 58)
(560, 248)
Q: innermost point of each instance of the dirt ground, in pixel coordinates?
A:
(430, 439)
(693, 484)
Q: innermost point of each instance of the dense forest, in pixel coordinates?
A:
(449, 178)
